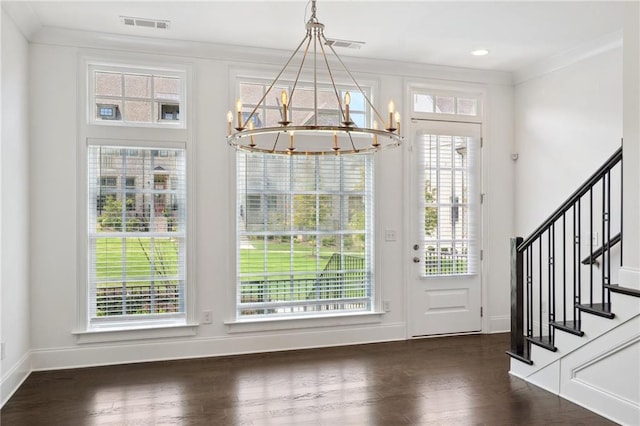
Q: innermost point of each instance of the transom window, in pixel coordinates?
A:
(136, 96)
(270, 112)
(432, 103)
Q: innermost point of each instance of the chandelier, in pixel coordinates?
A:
(313, 133)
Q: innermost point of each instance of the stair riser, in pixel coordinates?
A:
(566, 342)
(625, 306)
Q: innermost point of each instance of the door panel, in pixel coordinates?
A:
(445, 284)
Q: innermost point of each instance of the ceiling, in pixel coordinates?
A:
(517, 33)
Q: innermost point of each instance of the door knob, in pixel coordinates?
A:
(416, 259)
(416, 246)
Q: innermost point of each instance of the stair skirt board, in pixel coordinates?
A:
(589, 374)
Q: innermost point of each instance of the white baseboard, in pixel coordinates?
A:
(500, 324)
(629, 277)
(91, 355)
(12, 379)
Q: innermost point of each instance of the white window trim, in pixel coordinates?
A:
(141, 136)
(266, 73)
(296, 322)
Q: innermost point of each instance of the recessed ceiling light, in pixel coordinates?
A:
(480, 52)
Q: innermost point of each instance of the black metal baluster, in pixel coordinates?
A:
(621, 209)
(577, 314)
(591, 247)
(605, 242)
(540, 284)
(530, 291)
(609, 234)
(552, 291)
(564, 268)
(576, 264)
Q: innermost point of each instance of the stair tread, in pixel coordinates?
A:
(572, 327)
(616, 288)
(523, 358)
(599, 309)
(543, 342)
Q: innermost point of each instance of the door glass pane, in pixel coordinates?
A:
(446, 222)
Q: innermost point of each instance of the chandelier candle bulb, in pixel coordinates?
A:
(391, 110)
(398, 122)
(347, 101)
(291, 147)
(253, 143)
(335, 139)
(375, 137)
(239, 110)
(283, 99)
(230, 121)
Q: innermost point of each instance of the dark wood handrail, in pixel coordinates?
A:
(584, 188)
(598, 252)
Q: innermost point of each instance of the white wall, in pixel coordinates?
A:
(630, 273)
(567, 123)
(54, 138)
(14, 225)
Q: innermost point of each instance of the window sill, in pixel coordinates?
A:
(158, 331)
(274, 324)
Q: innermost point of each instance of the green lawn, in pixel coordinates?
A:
(279, 258)
(137, 257)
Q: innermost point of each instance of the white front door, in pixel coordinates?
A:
(445, 283)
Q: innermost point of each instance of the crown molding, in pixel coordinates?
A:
(569, 57)
(24, 17)
(253, 55)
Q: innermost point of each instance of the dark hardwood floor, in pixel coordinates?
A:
(443, 381)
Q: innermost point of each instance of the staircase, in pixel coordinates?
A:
(574, 330)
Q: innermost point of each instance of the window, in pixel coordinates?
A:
(135, 96)
(269, 112)
(137, 238)
(134, 222)
(445, 104)
(304, 235)
(449, 184)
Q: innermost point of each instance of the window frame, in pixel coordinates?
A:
(289, 194)
(132, 137)
(262, 75)
(106, 322)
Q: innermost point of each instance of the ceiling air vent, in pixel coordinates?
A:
(146, 23)
(349, 44)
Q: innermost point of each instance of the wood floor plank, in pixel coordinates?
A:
(460, 380)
